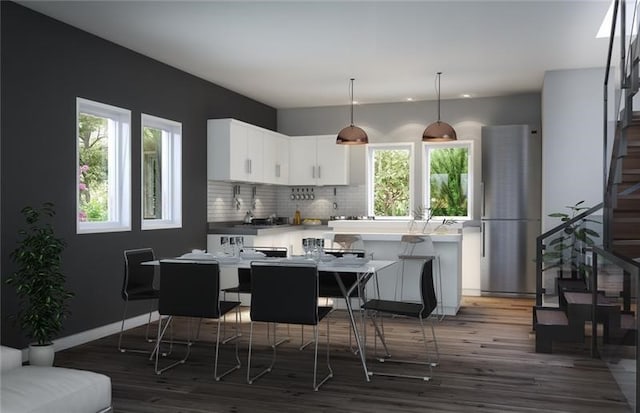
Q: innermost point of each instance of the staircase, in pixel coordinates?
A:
(626, 196)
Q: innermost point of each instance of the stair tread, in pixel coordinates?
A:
(627, 322)
(579, 298)
(551, 317)
(626, 241)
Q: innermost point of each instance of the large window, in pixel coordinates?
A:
(161, 173)
(390, 176)
(103, 181)
(448, 179)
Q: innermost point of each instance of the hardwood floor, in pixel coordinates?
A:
(487, 364)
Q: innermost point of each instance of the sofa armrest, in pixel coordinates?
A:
(10, 358)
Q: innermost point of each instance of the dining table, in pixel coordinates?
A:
(364, 268)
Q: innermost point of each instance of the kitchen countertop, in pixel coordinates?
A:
(238, 228)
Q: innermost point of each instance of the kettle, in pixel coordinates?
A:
(247, 217)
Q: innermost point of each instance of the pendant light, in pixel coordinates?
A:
(439, 131)
(352, 135)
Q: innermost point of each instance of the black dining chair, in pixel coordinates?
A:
(192, 289)
(244, 279)
(137, 285)
(420, 311)
(286, 293)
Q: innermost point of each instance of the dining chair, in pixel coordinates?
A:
(192, 289)
(286, 293)
(419, 247)
(244, 281)
(420, 311)
(137, 285)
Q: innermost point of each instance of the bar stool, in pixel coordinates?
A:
(427, 251)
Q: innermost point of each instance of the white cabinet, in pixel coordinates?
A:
(234, 151)
(318, 160)
(276, 158)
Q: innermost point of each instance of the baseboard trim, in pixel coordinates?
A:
(84, 337)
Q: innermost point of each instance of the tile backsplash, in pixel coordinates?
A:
(221, 206)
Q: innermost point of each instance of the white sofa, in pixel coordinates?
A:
(50, 389)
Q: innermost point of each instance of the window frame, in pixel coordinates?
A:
(371, 148)
(119, 166)
(426, 181)
(171, 176)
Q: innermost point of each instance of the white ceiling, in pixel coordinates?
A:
(302, 53)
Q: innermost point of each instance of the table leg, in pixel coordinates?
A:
(352, 320)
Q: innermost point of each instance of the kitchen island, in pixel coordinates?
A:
(380, 238)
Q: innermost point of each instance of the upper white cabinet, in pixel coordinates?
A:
(318, 160)
(276, 158)
(238, 151)
(234, 151)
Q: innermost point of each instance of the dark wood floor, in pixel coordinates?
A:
(487, 365)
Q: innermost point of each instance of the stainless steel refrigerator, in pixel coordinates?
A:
(510, 209)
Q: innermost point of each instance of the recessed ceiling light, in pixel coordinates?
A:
(409, 99)
(466, 95)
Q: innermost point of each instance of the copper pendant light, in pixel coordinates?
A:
(352, 135)
(439, 131)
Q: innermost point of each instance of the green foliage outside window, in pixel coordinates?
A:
(93, 168)
(448, 172)
(391, 182)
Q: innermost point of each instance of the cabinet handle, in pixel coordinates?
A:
(277, 170)
(247, 168)
(319, 174)
(250, 167)
(484, 231)
(313, 172)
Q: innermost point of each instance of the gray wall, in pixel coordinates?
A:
(47, 64)
(572, 142)
(405, 122)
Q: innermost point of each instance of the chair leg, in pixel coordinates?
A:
(161, 333)
(428, 363)
(132, 350)
(238, 334)
(237, 365)
(250, 379)
(329, 375)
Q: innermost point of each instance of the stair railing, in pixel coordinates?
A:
(554, 232)
(631, 275)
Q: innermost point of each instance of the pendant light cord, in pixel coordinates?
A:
(438, 92)
(351, 94)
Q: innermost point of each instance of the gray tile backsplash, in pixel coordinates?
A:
(350, 200)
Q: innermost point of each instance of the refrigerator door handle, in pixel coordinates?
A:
(481, 199)
(484, 232)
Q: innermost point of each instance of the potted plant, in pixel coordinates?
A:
(566, 250)
(39, 282)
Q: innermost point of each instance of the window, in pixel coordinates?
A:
(390, 178)
(448, 179)
(103, 181)
(161, 173)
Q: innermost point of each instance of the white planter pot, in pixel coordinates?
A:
(41, 355)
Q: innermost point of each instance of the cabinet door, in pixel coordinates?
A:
(238, 161)
(302, 160)
(332, 160)
(282, 160)
(254, 151)
(273, 152)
